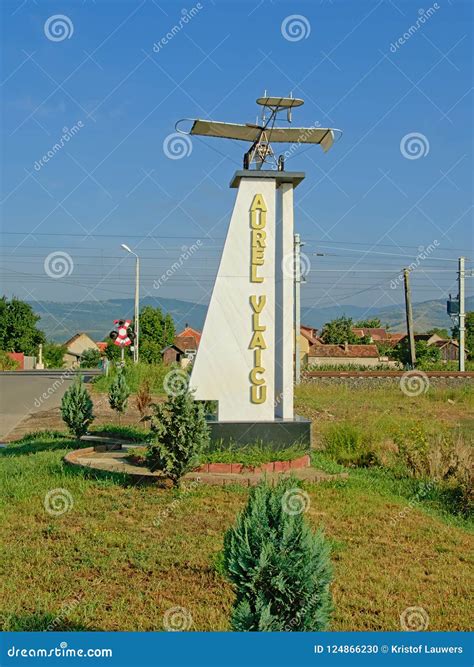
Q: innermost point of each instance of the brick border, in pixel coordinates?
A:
(240, 469)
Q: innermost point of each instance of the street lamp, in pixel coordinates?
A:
(137, 300)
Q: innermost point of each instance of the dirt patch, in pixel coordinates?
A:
(104, 415)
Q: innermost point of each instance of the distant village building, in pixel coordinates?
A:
(184, 347)
(338, 355)
(75, 348)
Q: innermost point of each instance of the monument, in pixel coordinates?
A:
(245, 358)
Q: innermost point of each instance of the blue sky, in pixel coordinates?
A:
(366, 205)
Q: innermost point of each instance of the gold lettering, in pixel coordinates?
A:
(258, 341)
(258, 235)
(259, 305)
(258, 394)
(258, 370)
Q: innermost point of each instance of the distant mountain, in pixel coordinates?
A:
(426, 315)
(60, 321)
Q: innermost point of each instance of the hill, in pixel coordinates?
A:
(61, 320)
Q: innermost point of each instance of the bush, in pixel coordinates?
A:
(7, 363)
(349, 445)
(445, 459)
(181, 434)
(280, 569)
(77, 408)
(143, 398)
(90, 358)
(53, 355)
(118, 393)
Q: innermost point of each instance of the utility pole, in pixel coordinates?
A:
(297, 318)
(462, 314)
(137, 301)
(409, 316)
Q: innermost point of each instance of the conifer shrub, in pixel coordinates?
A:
(77, 408)
(180, 435)
(280, 568)
(118, 393)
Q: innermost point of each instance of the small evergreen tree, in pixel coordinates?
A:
(280, 569)
(181, 434)
(77, 408)
(118, 393)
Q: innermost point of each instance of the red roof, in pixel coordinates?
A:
(190, 332)
(376, 333)
(310, 334)
(101, 345)
(348, 352)
(185, 343)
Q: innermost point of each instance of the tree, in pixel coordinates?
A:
(119, 392)
(156, 332)
(77, 408)
(373, 323)
(18, 331)
(90, 358)
(469, 335)
(280, 569)
(339, 331)
(181, 434)
(53, 355)
(425, 354)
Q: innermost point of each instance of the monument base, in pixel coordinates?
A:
(278, 434)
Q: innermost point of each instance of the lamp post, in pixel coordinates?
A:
(137, 301)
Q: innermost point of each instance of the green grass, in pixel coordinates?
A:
(135, 374)
(251, 455)
(123, 555)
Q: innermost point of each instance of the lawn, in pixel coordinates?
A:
(122, 555)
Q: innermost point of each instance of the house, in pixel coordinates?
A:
(184, 347)
(308, 337)
(449, 349)
(374, 334)
(189, 332)
(338, 355)
(75, 348)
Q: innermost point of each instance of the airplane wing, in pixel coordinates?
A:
(303, 135)
(211, 128)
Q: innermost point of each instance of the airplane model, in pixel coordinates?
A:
(263, 134)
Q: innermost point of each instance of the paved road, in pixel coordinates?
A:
(26, 392)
